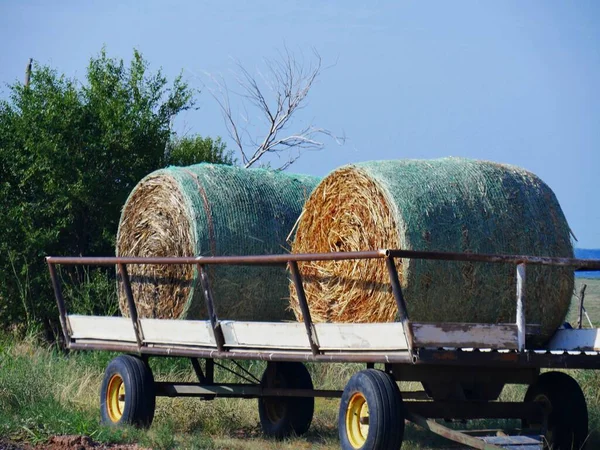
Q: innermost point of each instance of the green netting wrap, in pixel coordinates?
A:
(450, 204)
(211, 210)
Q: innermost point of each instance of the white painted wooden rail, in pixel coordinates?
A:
(383, 337)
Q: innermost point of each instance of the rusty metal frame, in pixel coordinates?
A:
(60, 302)
(306, 317)
(210, 308)
(302, 356)
(292, 261)
(239, 390)
(131, 304)
(400, 302)
(418, 412)
(577, 264)
(198, 371)
(513, 359)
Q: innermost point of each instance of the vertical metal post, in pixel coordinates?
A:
(210, 371)
(581, 297)
(60, 302)
(308, 323)
(400, 302)
(521, 325)
(210, 308)
(198, 371)
(396, 288)
(131, 304)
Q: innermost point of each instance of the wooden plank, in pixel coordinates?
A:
(515, 442)
(470, 335)
(361, 336)
(102, 328)
(519, 439)
(585, 339)
(279, 335)
(332, 336)
(521, 277)
(178, 332)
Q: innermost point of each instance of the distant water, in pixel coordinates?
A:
(586, 253)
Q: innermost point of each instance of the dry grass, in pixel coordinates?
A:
(335, 219)
(73, 382)
(591, 302)
(155, 223)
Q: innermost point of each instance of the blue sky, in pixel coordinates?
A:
(508, 81)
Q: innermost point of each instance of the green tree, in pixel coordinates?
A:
(194, 149)
(70, 153)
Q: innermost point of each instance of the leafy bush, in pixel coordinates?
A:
(70, 153)
(190, 150)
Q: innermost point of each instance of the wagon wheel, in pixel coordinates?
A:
(281, 417)
(371, 412)
(563, 401)
(127, 394)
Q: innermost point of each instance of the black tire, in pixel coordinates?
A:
(281, 417)
(379, 394)
(127, 395)
(568, 416)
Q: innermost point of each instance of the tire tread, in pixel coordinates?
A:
(386, 410)
(139, 382)
(569, 413)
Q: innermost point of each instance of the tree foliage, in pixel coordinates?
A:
(190, 150)
(69, 155)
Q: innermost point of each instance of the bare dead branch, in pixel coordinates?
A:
(277, 95)
(221, 96)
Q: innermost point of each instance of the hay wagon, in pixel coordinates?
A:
(461, 366)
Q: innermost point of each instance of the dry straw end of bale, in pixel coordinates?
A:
(210, 210)
(156, 221)
(347, 212)
(450, 204)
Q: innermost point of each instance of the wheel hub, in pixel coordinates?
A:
(357, 420)
(275, 409)
(115, 398)
(547, 407)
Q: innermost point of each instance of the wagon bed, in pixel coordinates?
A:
(466, 354)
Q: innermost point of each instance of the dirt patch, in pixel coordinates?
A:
(68, 443)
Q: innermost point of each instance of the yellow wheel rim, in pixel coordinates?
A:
(115, 398)
(357, 420)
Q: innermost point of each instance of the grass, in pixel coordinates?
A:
(591, 302)
(44, 392)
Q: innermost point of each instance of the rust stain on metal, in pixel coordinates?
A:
(445, 356)
(577, 264)
(510, 357)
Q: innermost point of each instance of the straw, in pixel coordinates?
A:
(211, 210)
(450, 204)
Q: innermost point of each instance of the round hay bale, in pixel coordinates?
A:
(450, 204)
(211, 210)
